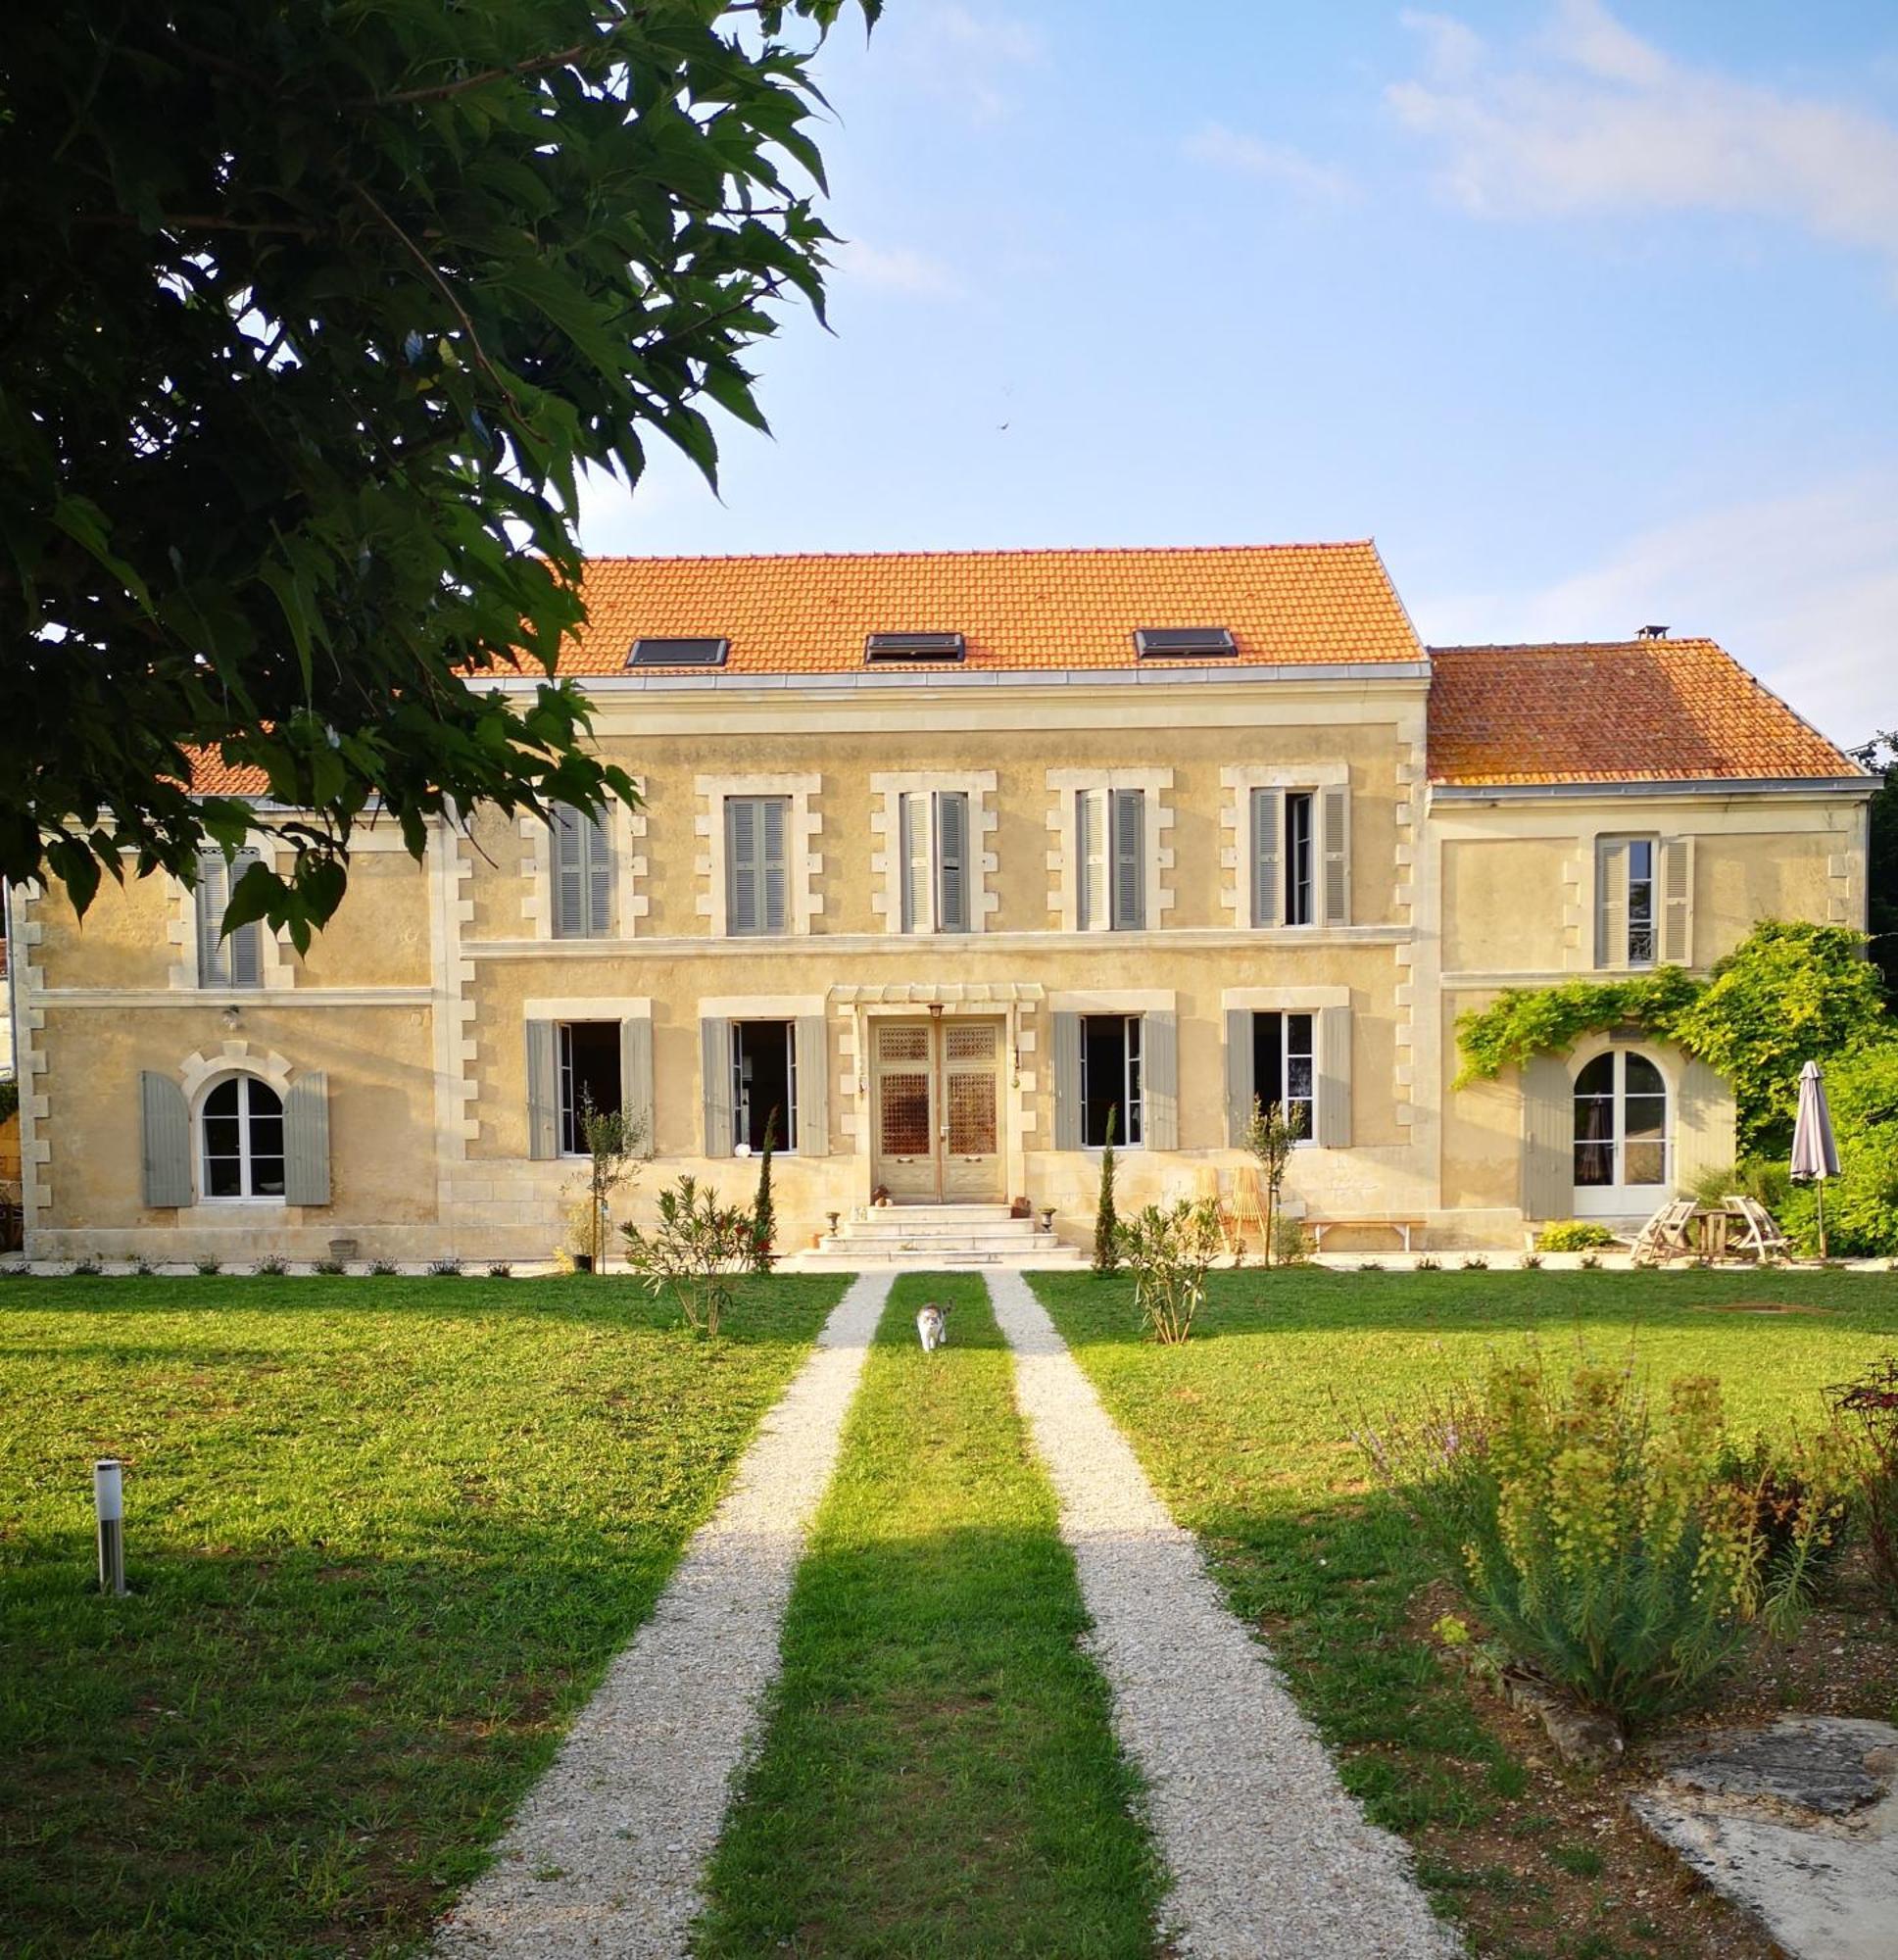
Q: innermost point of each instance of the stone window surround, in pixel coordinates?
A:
(886, 825)
(1064, 890)
(198, 1075)
(630, 904)
(275, 969)
(1236, 817)
(1311, 1000)
(804, 861)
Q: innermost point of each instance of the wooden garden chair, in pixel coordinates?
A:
(1664, 1236)
(1248, 1204)
(1205, 1191)
(1760, 1233)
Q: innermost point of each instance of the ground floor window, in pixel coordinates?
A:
(1110, 1078)
(241, 1130)
(1284, 1068)
(1621, 1125)
(764, 1081)
(589, 1078)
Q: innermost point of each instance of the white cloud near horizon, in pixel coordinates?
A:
(1589, 117)
(1276, 163)
(1801, 589)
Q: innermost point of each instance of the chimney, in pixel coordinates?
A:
(1652, 633)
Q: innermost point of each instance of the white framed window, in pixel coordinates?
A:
(1285, 1068)
(583, 873)
(1297, 854)
(236, 961)
(1644, 902)
(1111, 1069)
(934, 846)
(1623, 1134)
(240, 1140)
(764, 1084)
(589, 1066)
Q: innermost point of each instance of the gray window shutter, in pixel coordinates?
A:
(636, 1080)
(1676, 901)
(813, 1086)
(543, 1090)
(1335, 895)
(716, 1085)
(164, 1139)
(1331, 1112)
(1704, 1139)
(772, 883)
(208, 897)
(1611, 902)
(1266, 807)
(569, 874)
(912, 821)
(953, 847)
(1240, 1075)
(598, 840)
(1548, 1138)
(306, 1140)
(741, 865)
(1160, 1081)
(1090, 879)
(1130, 859)
(1064, 1064)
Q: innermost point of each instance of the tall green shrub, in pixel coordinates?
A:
(765, 1217)
(1106, 1221)
(1602, 1541)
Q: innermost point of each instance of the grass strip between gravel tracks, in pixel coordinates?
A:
(383, 1536)
(937, 1776)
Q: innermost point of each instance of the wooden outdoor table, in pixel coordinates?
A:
(1711, 1224)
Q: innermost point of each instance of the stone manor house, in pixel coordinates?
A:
(941, 858)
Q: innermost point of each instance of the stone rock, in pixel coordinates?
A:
(1797, 1823)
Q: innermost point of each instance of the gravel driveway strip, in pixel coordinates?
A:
(1270, 1859)
(605, 1854)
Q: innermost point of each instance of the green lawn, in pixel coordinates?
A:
(938, 1777)
(1246, 1432)
(383, 1536)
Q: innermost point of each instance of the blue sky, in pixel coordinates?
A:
(1588, 317)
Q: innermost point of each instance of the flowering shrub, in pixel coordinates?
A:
(694, 1252)
(1599, 1540)
(1574, 1235)
(1168, 1254)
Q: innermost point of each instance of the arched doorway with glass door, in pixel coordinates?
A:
(1624, 1135)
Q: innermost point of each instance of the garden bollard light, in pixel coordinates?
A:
(109, 1500)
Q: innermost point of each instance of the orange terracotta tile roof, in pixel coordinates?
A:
(212, 776)
(1066, 610)
(1635, 711)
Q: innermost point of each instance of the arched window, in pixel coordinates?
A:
(240, 1150)
(1621, 1134)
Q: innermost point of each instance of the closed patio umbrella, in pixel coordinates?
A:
(1815, 1152)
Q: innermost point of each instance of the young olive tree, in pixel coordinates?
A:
(614, 1145)
(1271, 1133)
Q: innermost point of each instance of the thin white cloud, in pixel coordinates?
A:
(1593, 118)
(1801, 589)
(965, 56)
(1274, 163)
(894, 268)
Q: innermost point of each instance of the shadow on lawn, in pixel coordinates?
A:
(296, 1749)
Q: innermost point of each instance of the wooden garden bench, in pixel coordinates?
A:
(1402, 1225)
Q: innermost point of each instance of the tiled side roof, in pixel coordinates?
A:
(1066, 610)
(1635, 711)
(212, 776)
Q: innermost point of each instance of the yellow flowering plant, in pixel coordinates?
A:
(1619, 1548)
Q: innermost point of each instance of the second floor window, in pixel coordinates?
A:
(1110, 853)
(1641, 902)
(1300, 856)
(1634, 898)
(236, 961)
(583, 874)
(936, 861)
(756, 883)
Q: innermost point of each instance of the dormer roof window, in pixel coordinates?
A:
(1185, 642)
(881, 649)
(678, 653)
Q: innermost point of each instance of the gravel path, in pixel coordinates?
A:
(1271, 1860)
(605, 1854)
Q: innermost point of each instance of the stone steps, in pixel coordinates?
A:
(926, 1237)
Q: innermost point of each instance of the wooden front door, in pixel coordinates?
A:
(937, 1108)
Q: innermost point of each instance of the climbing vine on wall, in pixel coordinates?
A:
(1523, 1021)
